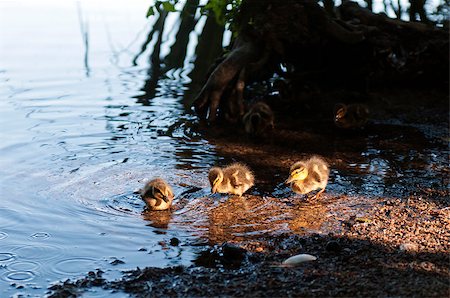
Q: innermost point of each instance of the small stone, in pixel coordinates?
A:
(298, 259)
(117, 262)
(142, 249)
(233, 252)
(409, 247)
(174, 241)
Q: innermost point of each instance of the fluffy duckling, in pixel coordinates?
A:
(309, 175)
(351, 116)
(234, 179)
(258, 119)
(157, 194)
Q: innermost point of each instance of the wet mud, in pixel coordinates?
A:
(380, 229)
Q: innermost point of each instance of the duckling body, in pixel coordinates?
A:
(351, 116)
(258, 119)
(157, 194)
(234, 179)
(309, 175)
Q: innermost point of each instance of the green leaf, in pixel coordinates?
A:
(169, 7)
(150, 12)
(363, 219)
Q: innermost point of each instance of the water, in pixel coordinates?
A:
(75, 137)
(84, 124)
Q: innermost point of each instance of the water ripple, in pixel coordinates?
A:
(23, 266)
(18, 276)
(38, 252)
(6, 256)
(74, 266)
(3, 235)
(40, 235)
(126, 203)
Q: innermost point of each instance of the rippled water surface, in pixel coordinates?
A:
(87, 117)
(78, 135)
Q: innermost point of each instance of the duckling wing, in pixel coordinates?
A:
(159, 201)
(319, 170)
(239, 175)
(316, 177)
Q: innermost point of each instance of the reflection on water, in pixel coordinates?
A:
(87, 118)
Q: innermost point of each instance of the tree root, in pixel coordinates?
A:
(230, 72)
(357, 47)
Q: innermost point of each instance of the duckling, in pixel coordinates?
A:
(234, 179)
(258, 119)
(157, 194)
(351, 116)
(309, 175)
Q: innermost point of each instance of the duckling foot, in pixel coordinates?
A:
(317, 195)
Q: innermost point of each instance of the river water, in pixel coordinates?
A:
(88, 115)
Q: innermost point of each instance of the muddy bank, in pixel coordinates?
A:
(400, 248)
(380, 229)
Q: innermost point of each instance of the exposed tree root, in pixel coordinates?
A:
(357, 45)
(229, 72)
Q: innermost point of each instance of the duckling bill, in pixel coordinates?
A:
(157, 194)
(309, 175)
(234, 179)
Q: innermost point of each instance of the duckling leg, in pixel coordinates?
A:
(316, 196)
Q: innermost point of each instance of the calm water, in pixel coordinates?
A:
(87, 117)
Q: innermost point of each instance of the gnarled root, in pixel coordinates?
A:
(228, 78)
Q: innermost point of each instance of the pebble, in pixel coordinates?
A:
(174, 241)
(409, 247)
(117, 262)
(298, 259)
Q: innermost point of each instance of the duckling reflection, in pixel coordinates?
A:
(309, 175)
(352, 116)
(234, 179)
(157, 194)
(259, 119)
(158, 219)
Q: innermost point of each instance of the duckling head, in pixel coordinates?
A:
(161, 191)
(215, 177)
(298, 174)
(157, 194)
